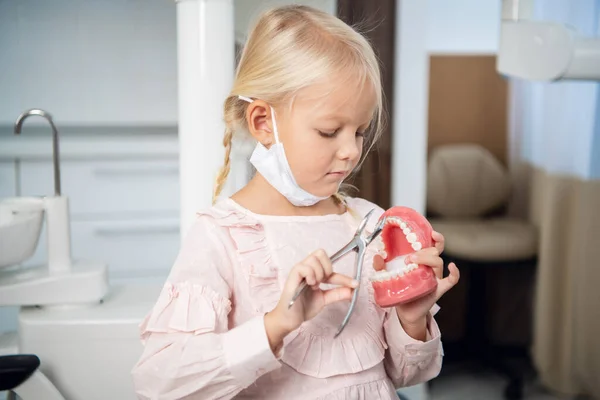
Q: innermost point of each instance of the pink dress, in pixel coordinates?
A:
(205, 337)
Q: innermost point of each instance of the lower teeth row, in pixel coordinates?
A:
(386, 275)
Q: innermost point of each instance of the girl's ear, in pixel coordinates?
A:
(260, 122)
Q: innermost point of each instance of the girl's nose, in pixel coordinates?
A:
(350, 147)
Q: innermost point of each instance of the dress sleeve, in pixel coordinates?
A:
(189, 349)
(409, 361)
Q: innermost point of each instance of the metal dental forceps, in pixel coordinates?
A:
(358, 244)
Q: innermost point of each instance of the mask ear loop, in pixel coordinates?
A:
(275, 131)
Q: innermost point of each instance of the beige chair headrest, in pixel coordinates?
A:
(465, 180)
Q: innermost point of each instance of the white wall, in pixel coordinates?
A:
(463, 26)
(89, 62)
(108, 62)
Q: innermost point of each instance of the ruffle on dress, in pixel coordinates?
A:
(253, 255)
(187, 307)
(380, 390)
(313, 350)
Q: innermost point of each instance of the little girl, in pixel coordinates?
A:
(308, 89)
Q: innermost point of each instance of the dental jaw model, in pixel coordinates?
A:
(405, 232)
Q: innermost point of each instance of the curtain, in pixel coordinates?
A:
(555, 145)
(376, 20)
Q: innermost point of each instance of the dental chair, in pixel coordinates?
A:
(19, 375)
(467, 191)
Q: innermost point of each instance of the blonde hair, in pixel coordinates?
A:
(290, 48)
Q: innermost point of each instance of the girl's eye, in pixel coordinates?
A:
(334, 133)
(328, 134)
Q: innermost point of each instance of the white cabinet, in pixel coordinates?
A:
(123, 213)
(108, 187)
(133, 248)
(8, 183)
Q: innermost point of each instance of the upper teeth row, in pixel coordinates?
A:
(411, 237)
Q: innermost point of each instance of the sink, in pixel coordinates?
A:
(60, 280)
(21, 222)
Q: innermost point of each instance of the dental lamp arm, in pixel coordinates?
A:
(543, 51)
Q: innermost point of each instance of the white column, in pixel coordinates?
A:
(205, 46)
(410, 109)
(411, 104)
(517, 9)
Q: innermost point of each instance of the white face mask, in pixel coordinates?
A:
(273, 165)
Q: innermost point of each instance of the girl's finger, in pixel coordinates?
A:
(325, 261)
(450, 281)
(337, 294)
(438, 270)
(426, 252)
(438, 240)
(437, 266)
(433, 261)
(342, 280)
(307, 273)
(315, 264)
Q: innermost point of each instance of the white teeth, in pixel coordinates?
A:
(411, 237)
(384, 275)
(392, 220)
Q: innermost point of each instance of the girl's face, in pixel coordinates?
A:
(323, 133)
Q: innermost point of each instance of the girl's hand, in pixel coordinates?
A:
(316, 269)
(413, 315)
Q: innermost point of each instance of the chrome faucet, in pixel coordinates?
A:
(55, 149)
